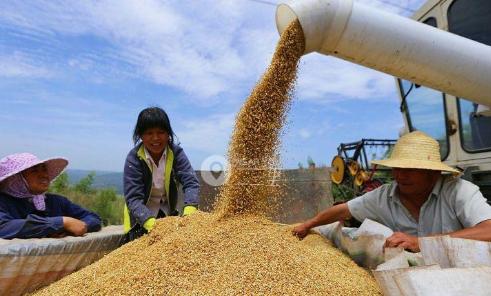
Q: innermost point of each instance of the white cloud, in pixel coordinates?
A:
(204, 48)
(327, 79)
(201, 48)
(304, 133)
(209, 134)
(83, 64)
(19, 65)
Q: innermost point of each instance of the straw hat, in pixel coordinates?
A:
(16, 163)
(416, 150)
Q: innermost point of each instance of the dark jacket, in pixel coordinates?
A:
(138, 183)
(20, 219)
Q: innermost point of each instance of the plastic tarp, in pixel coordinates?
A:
(452, 266)
(364, 244)
(28, 264)
(386, 278)
(472, 281)
(455, 252)
(399, 258)
(445, 265)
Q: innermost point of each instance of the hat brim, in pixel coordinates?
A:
(54, 166)
(416, 164)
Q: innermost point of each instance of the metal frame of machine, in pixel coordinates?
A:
(351, 169)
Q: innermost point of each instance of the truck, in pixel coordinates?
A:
(441, 61)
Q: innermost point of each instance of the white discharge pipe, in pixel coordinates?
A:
(393, 44)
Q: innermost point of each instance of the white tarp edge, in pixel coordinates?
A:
(28, 264)
(474, 281)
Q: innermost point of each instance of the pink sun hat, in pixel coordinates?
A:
(16, 163)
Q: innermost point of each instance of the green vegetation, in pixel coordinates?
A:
(105, 202)
(342, 193)
(310, 162)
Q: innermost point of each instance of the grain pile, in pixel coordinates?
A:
(255, 139)
(201, 255)
(235, 250)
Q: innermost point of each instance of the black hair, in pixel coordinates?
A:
(150, 118)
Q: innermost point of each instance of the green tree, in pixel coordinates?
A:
(341, 192)
(106, 204)
(85, 184)
(310, 162)
(61, 184)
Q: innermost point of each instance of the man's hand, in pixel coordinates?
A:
(74, 226)
(301, 230)
(403, 240)
(329, 215)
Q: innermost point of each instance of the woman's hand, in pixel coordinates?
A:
(149, 224)
(74, 226)
(403, 240)
(57, 235)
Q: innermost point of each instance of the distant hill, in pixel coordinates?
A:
(102, 179)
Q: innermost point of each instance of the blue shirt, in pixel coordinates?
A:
(20, 219)
(452, 205)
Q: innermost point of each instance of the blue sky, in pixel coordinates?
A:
(75, 74)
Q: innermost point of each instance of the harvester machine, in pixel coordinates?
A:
(351, 171)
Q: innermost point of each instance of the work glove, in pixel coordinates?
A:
(188, 210)
(149, 224)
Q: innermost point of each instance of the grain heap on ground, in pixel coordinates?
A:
(236, 250)
(202, 255)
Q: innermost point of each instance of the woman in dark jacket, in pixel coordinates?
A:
(27, 211)
(152, 169)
